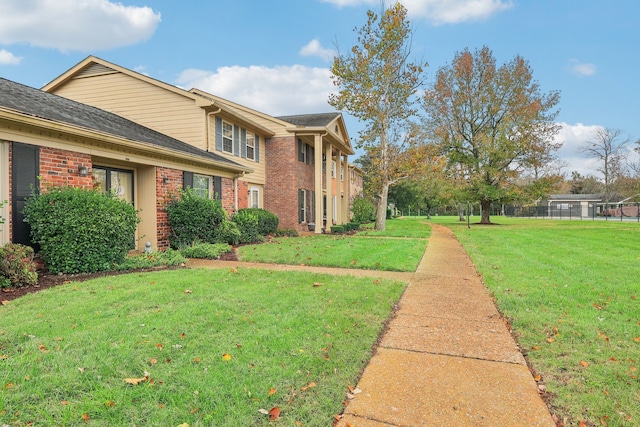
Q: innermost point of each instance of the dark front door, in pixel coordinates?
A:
(25, 170)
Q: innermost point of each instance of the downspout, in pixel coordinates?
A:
(209, 114)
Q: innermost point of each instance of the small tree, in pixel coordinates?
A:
(377, 85)
(608, 147)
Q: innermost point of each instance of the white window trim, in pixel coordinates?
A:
(254, 190)
(333, 169)
(224, 136)
(251, 137)
(209, 185)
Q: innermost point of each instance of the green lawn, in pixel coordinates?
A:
(399, 248)
(203, 347)
(572, 291)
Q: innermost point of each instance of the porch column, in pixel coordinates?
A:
(346, 191)
(317, 182)
(4, 192)
(338, 208)
(329, 187)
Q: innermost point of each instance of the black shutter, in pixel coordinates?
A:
(187, 180)
(217, 187)
(25, 171)
(301, 205)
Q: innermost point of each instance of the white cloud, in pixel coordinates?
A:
(314, 48)
(573, 137)
(8, 58)
(582, 69)
(439, 11)
(276, 91)
(68, 25)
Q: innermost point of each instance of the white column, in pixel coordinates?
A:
(317, 150)
(329, 187)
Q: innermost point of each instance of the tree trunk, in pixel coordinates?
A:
(381, 215)
(486, 211)
(461, 212)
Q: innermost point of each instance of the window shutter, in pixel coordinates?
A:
(218, 134)
(312, 155)
(301, 205)
(236, 140)
(243, 136)
(187, 180)
(313, 206)
(300, 155)
(257, 149)
(217, 187)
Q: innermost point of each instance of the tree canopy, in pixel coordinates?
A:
(492, 124)
(377, 84)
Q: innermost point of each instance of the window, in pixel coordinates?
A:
(251, 146)
(254, 197)
(341, 173)
(302, 204)
(333, 169)
(116, 181)
(227, 137)
(302, 151)
(201, 185)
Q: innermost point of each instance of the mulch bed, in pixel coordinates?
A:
(48, 280)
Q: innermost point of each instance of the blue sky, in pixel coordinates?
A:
(275, 55)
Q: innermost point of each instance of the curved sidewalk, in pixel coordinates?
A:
(447, 358)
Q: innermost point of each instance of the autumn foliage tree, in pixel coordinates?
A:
(493, 123)
(377, 84)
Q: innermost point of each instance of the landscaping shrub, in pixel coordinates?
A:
(337, 229)
(247, 222)
(363, 210)
(354, 226)
(16, 266)
(167, 258)
(267, 221)
(227, 232)
(80, 230)
(193, 218)
(205, 250)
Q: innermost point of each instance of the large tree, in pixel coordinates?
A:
(493, 124)
(609, 148)
(377, 84)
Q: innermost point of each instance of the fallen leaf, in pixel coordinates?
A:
(583, 424)
(272, 391)
(637, 339)
(226, 357)
(85, 417)
(135, 381)
(598, 306)
(5, 302)
(316, 284)
(159, 345)
(602, 336)
(65, 402)
(585, 364)
(274, 413)
(110, 403)
(196, 360)
(188, 291)
(153, 361)
(536, 347)
(184, 425)
(4, 357)
(308, 386)
(550, 340)
(537, 378)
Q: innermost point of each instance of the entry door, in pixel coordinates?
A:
(24, 171)
(117, 181)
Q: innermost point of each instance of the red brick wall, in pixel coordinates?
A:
(243, 194)
(60, 167)
(163, 190)
(228, 195)
(281, 190)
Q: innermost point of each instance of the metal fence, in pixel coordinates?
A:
(592, 211)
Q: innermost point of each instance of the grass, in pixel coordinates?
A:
(571, 290)
(203, 347)
(399, 248)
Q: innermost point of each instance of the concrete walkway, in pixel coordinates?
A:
(447, 358)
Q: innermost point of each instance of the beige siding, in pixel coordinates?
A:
(144, 103)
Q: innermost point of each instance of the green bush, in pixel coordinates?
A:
(79, 230)
(228, 232)
(193, 218)
(16, 266)
(205, 250)
(354, 226)
(247, 222)
(363, 209)
(167, 258)
(267, 221)
(337, 229)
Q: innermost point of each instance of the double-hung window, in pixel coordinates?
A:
(251, 146)
(254, 197)
(333, 169)
(201, 185)
(227, 137)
